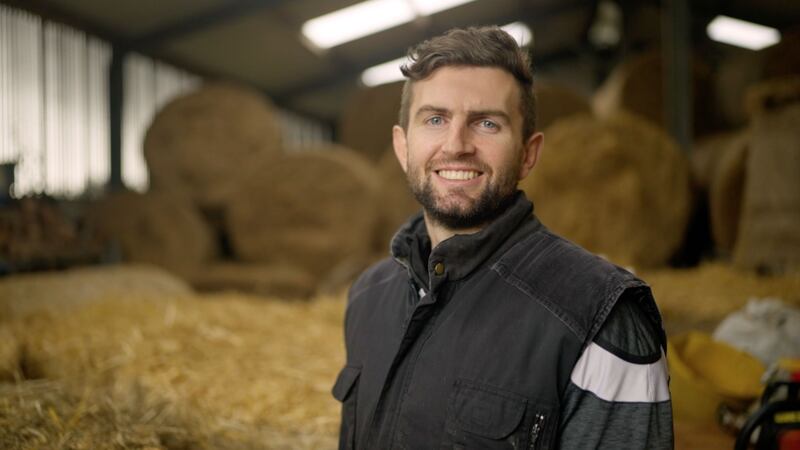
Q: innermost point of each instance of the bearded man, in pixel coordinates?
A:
(484, 330)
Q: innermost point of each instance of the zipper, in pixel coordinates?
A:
(536, 429)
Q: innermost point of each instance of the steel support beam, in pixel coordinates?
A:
(116, 99)
(676, 45)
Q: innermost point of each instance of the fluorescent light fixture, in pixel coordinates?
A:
(520, 32)
(742, 34)
(428, 7)
(369, 17)
(383, 73)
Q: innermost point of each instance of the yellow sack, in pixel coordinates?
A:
(705, 373)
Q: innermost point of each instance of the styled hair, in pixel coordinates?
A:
(472, 47)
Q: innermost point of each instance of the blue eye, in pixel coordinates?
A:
(435, 120)
(488, 124)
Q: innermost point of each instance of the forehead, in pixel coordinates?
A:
(468, 89)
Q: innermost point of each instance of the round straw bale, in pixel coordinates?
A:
(555, 100)
(161, 229)
(725, 194)
(203, 140)
(769, 233)
(617, 186)
(706, 155)
(367, 119)
(280, 281)
(736, 72)
(309, 209)
(396, 201)
(636, 86)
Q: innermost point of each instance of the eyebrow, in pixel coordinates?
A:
(472, 114)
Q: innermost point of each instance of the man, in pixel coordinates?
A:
(485, 330)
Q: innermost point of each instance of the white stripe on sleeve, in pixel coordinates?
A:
(613, 379)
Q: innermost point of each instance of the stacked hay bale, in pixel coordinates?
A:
(366, 121)
(769, 233)
(636, 86)
(157, 228)
(618, 186)
(397, 203)
(313, 210)
(201, 142)
(555, 100)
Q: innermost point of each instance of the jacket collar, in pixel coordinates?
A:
(460, 254)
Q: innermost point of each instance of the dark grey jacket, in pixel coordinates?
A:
(477, 351)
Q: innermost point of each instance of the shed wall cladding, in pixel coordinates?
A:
(54, 108)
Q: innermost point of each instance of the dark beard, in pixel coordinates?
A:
(491, 203)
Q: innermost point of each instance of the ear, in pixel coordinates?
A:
(400, 146)
(530, 153)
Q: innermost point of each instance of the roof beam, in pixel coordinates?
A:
(345, 73)
(200, 21)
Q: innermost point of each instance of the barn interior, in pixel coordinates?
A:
(189, 187)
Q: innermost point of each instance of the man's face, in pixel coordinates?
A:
(463, 151)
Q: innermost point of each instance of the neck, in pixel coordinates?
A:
(438, 232)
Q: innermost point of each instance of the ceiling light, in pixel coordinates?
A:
(742, 34)
(520, 32)
(428, 7)
(357, 21)
(383, 73)
(369, 17)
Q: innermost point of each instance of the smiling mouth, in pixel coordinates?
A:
(461, 175)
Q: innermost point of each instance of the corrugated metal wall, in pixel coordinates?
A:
(54, 108)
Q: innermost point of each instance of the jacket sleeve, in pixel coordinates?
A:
(618, 395)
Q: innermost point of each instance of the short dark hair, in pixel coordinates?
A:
(472, 47)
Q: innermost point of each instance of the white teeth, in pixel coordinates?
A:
(458, 174)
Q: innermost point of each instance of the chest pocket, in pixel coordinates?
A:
(485, 417)
(345, 390)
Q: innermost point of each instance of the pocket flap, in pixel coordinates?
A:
(487, 411)
(345, 381)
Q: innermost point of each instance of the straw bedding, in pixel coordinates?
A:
(618, 186)
(311, 210)
(366, 121)
(769, 233)
(154, 228)
(166, 371)
(200, 142)
(701, 297)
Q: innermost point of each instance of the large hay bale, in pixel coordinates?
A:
(365, 124)
(555, 100)
(10, 354)
(699, 298)
(636, 85)
(280, 281)
(618, 186)
(202, 141)
(727, 189)
(60, 291)
(396, 201)
(769, 234)
(161, 229)
(311, 209)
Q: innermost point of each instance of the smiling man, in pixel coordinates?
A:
(484, 330)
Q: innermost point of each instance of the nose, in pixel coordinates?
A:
(457, 141)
